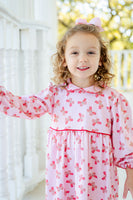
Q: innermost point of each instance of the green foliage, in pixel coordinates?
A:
(116, 17)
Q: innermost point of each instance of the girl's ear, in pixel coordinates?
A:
(64, 63)
(100, 63)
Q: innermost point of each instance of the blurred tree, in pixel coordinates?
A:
(116, 17)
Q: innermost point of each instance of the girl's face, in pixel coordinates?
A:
(82, 57)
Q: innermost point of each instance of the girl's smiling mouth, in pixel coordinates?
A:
(83, 68)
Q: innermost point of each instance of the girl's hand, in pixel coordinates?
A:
(128, 183)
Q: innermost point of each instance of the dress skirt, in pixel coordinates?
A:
(80, 166)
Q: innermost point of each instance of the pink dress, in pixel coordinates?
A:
(91, 134)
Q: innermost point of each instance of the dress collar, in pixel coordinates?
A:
(91, 89)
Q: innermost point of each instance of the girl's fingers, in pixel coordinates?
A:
(125, 190)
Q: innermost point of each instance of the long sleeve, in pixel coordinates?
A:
(28, 107)
(122, 133)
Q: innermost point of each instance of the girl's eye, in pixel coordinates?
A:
(75, 52)
(91, 52)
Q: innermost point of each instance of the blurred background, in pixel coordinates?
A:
(29, 31)
(116, 17)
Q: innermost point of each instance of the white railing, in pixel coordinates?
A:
(24, 69)
(123, 69)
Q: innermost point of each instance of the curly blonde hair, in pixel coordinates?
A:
(102, 77)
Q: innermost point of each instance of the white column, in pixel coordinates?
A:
(16, 38)
(52, 21)
(31, 157)
(20, 11)
(17, 89)
(15, 167)
(38, 7)
(46, 13)
(4, 191)
(27, 10)
(43, 74)
(10, 80)
(2, 33)
(28, 45)
(18, 145)
(28, 39)
(43, 79)
(11, 124)
(10, 41)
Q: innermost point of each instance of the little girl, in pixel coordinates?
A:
(91, 131)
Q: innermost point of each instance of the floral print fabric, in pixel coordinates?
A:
(91, 134)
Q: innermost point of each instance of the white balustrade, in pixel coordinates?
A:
(31, 157)
(11, 125)
(23, 59)
(4, 191)
(122, 67)
(18, 150)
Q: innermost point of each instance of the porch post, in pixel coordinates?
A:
(4, 190)
(28, 45)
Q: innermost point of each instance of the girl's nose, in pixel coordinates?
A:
(83, 58)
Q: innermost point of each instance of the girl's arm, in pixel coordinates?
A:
(29, 107)
(128, 183)
(122, 140)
